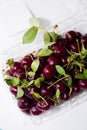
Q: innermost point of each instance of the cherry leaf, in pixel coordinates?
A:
(60, 70)
(10, 62)
(47, 38)
(31, 73)
(44, 52)
(54, 36)
(35, 65)
(20, 93)
(30, 35)
(85, 73)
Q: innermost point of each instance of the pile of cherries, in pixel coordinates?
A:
(65, 51)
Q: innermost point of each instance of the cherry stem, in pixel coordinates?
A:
(58, 81)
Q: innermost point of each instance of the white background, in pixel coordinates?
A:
(52, 12)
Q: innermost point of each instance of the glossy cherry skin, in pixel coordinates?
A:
(26, 62)
(82, 83)
(17, 65)
(20, 74)
(75, 89)
(29, 92)
(49, 71)
(24, 103)
(73, 47)
(78, 35)
(63, 42)
(64, 60)
(71, 35)
(65, 96)
(61, 86)
(34, 110)
(53, 60)
(13, 90)
(43, 105)
(46, 92)
(11, 71)
(59, 50)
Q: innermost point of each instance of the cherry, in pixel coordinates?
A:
(75, 89)
(73, 47)
(63, 42)
(65, 96)
(49, 71)
(71, 35)
(17, 65)
(43, 62)
(61, 86)
(59, 50)
(26, 111)
(34, 110)
(82, 83)
(24, 103)
(43, 105)
(26, 62)
(13, 90)
(83, 40)
(52, 60)
(10, 72)
(29, 92)
(46, 92)
(20, 74)
(64, 60)
(78, 35)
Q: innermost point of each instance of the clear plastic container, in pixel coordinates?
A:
(75, 21)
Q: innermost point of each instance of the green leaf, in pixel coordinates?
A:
(30, 83)
(44, 52)
(60, 70)
(54, 36)
(37, 82)
(20, 93)
(69, 82)
(16, 81)
(31, 73)
(57, 93)
(35, 65)
(47, 38)
(36, 95)
(80, 76)
(12, 80)
(10, 62)
(30, 35)
(24, 83)
(34, 22)
(85, 73)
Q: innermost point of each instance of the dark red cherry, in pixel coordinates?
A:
(75, 89)
(82, 83)
(24, 103)
(49, 71)
(83, 40)
(65, 96)
(11, 71)
(64, 60)
(34, 110)
(71, 35)
(61, 86)
(46, 92)
(29, 92)
(63, 42)
(73, 46)
(26, 62)
(20, 74)
(59, 50)
(53, 60)
(17, 65)
(13, 90)
(43, 105)
(26, 111)
(78, 35)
